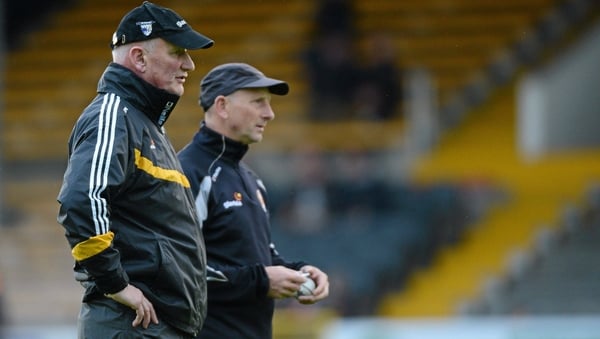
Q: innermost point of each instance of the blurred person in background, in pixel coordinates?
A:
(329, 61)
(379, 91)
(350, 76)
(125, 204)
(245, 272)
(332, 73)
(335, 16)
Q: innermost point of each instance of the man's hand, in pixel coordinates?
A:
(321, 280)
(131, 296)
(283, 282)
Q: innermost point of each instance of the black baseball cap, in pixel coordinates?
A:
(149, 21)
(228, 78)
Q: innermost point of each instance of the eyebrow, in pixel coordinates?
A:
(178, 50)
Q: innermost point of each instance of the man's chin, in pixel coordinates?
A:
(177, 91)
(257, 138)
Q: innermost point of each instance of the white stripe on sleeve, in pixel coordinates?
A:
(101, 161)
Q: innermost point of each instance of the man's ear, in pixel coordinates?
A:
(137, 58)
(220, 107)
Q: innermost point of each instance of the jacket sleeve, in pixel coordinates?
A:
(97, 167)
(280, 260)
(235, 284)
(243, 283)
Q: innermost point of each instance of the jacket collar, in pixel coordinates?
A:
(154, 102)
(227, 148)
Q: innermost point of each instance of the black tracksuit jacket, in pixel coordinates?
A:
(126, 206)
(232, 202)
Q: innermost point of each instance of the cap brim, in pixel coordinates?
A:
(275, 86)
(190, 40)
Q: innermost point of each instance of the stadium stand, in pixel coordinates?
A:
(559, 276)
(536, 193)
(483, 147)
(450, 38)
(372, 251)
(52, 75)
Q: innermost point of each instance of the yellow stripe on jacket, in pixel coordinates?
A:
(92, 246)
(147, 166)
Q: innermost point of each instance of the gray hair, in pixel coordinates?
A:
(119, 53)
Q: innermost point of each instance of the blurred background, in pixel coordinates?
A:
(439, 159)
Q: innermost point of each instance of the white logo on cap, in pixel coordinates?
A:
(180, 23)
(146, 27)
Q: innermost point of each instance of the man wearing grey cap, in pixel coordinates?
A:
(125, 204)
(245, 273)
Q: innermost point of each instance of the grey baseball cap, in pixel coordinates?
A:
(228, 78)
(149, 21)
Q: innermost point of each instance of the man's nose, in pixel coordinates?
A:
(269, 114)
(188, 63)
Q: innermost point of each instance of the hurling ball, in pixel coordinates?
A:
(307, 287)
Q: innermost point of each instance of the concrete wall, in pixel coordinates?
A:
(559, 106)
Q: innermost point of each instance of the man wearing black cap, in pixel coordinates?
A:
(126, 206)
(245, 272)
